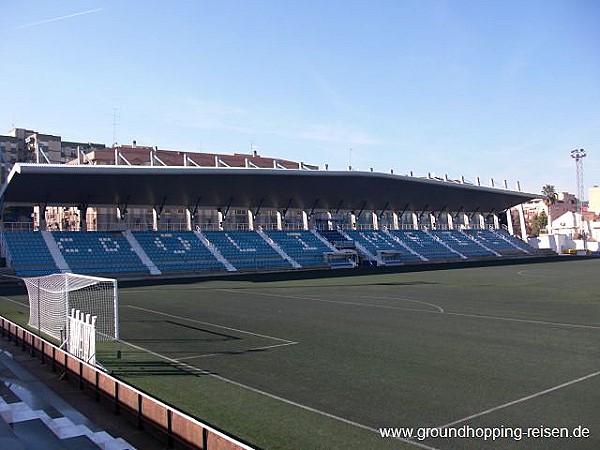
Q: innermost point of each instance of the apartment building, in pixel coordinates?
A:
(24, 145)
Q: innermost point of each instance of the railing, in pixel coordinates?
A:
(179, 429)
(17, 226)
(182, 226)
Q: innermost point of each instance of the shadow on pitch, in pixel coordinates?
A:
(323, 286)
(168, 368)
(155, 368)
(213, 336)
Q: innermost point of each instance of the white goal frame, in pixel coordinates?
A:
(52, 297)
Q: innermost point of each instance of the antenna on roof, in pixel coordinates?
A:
(115, 123)
(350, 158)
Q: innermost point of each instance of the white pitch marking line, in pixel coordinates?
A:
(475, 316)
(254, 349)
(515, 319)
(439, 308)
(521, 400)
(339, 302)
(14, 301)
(273, 396)
(211, 324)
(524, 273)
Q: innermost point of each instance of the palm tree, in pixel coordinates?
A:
(550, 197)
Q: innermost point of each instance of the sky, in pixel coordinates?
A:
(501, 89)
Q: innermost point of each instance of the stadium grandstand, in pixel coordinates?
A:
(133, 211)
(178, 225)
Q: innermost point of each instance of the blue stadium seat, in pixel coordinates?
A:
(246, 250)
(375, 241)
(98, 252)
(526, 248)
(28, 254)
(302, 246)
(495, 242)
(177, 251)
(460, 242)
(425, 245)
(336, 238)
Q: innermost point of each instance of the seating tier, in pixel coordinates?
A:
(29, 254)
(425, 245)
(336, 238)
(495, 242)
(246, 250)
(374, 241)
(462, 244)
(177, 251)
(516, 241)
(98, 252)
(302, 246)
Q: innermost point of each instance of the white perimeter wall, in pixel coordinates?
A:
(561, 242)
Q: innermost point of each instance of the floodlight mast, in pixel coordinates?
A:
(578, 154)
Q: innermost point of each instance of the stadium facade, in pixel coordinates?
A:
(291, 207)
(29, 146)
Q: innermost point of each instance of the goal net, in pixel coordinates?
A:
(52, 297)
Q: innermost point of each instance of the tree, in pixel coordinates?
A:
(533, 228)
(541, 220)
(550, 197)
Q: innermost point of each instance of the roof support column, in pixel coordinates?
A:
(278, 218)
(395, 222)
(329, 221)
(250, 220)
(522, 222)
(39, 217)
(481, 221)
(220, 218)
(155, 219)
(304, 220)
(352, 220)
(509, 221)
(82, 217)
(190, 214)
(450, 221)
(375, 220)
(122, 210)
(466, 221)
(156, 213)
(432, 220)
(222, 215)
(496, 221)
(415, 220)
(189, 219)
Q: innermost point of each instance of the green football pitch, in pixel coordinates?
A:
(332, 363)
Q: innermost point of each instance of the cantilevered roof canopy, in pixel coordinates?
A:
(43, 184)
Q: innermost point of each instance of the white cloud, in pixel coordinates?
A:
(53, 19)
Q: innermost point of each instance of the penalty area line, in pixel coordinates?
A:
(273, 396)
(253, 349)
(439, 308)
(160, 313)
(521, 400)
(13, 301)
(338, 302)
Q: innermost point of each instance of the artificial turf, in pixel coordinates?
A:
(325, 363)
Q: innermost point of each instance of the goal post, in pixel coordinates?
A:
(52, 297)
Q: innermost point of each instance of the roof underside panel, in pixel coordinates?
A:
(65, 185)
